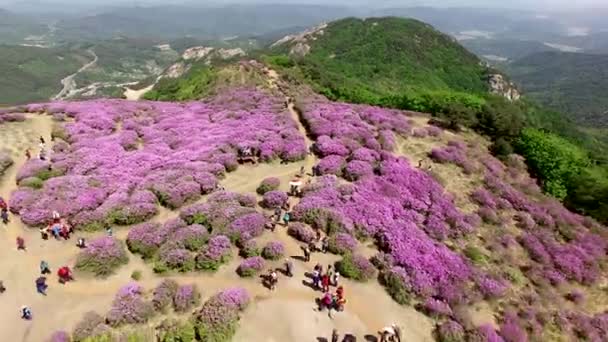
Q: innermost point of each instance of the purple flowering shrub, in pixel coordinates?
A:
(356, 267)
(172, 256)
(218, 318)
(450, 331)
(249, 248)
(301, 232)
(273, 250)
(250, 266)
(436, 308)
(60, 336)
(5, 161)
(484, 333)
(342, 243)
(491, 288)
(510, 329)
(129, 307)
(268, 184)
(146, 238)
(274, 199)
(454, 155)
(163, 294)
(176, 151)
(357, 169)
(484, 198)
(217, 252)
(192, 237)
(102, 256)
(247, 227)
(87, 326)
(331, 165)
(186, 297)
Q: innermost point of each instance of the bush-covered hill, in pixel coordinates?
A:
(373, 59)
(34, 74)
(573, 83)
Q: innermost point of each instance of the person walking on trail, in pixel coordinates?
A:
(390, 333)
(56, 216)
(334, 336)
(41, 285)
(286, 218)
(44, 267)
(28, 154)
(2, 288)
(306, 251)
(325, 283)
(109, 231)
(26, 313)
(316, 277)
(288, 268)
(42, 142)
(64, 274)
(274, 279)
(4, 215)
(335, 278)
(81, 243)
(20, 244)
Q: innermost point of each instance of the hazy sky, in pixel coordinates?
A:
(549, 5)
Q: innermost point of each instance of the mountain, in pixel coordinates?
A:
(34, 73)
(15, 27)
(368, 60)
(573, 83)
(200, 22)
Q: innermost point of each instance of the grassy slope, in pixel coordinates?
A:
(573, 83)
(32, 74)
(384, 56)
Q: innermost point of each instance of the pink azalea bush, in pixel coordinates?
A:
(273, 250)
(163, 294)
(129, 307)
(251, 266)
(301, 232)
(274, 199)
(102, 256)
(454, 155)
(182, 150)
(218, 318)
(356, 267)
(450, 331)
(342, 243)
(186, 297)
(216, 253)
(268, 184)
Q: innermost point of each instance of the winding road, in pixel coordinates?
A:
(69, 85)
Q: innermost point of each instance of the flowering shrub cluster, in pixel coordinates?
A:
(216, 253)
(250, 266)
(163, 294)
(301, 232)
(356, 267)
(186, 297)
(5, 161)
(455, 155)
(125, 157)
(273, 250)
(406, 210)
(218, 318)
(274, 199)
(249, 249)
(129, 307)
(342, 243)
(102, 256)
(88, 326)
(450, 331)
(268, 184)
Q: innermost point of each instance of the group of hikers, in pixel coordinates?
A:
(42, 155)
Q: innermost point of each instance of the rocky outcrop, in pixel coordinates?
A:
(499, 85)
(198, 53)
(300, 43)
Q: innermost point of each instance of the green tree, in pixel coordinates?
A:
(554, 159)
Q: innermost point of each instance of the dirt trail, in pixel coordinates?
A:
(69, 85)
(134, 95)
(292, 305)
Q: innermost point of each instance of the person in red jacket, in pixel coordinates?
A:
(20, 243)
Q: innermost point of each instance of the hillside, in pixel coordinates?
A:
(33, 73)
(573, 83)
(368, 60)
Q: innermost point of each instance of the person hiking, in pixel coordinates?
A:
(316, 277)
(286, 218)
(288, 268)
(325, 245)
(274, 279)
(44, 267)
(20, 244)
(109, 231)
(42, 142)
(26, 313)
(334, 335)
(4, 215)
(41, 285)
(64, 274)
(277, 214)
(306, 251)
(2, 288)
(56, 216)
(336, 278)
(325, 282)
(44, 233)
(81, 243)
(28, 154)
